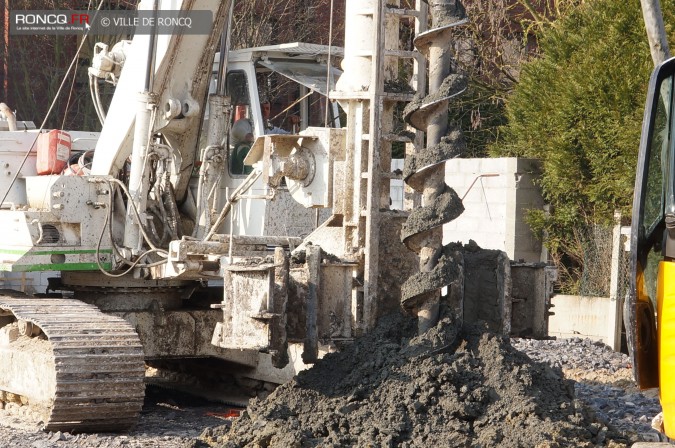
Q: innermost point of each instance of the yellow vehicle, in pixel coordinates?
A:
(650, 308)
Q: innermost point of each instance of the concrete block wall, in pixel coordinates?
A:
(28, 282)
(583, 317)
(497, 193)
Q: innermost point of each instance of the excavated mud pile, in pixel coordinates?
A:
(446, 388)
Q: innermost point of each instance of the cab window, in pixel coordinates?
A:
(241, 134)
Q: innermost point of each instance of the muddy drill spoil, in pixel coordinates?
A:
(67, 364)
(448, 387)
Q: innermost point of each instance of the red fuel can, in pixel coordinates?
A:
(53, 152)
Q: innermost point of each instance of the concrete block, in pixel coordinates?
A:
(459, 182)
(487, 241)
(482, 224)
(496, 219)
(495, 194)
(496, 205)
(498, 209)
(494, 165)
(452, 166)
(494, 212)
(470, 166)
(450, 227)
(472, 198)
(501, 181)
(490, 241)
(579, 316)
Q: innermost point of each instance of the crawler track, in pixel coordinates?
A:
(88, 375)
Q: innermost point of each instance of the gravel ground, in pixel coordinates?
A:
(603, 380)
(171, 419)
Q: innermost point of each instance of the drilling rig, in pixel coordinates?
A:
(301, 247)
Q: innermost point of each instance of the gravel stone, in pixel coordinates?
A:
(603, 381)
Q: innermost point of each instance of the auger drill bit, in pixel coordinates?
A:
(424, 171)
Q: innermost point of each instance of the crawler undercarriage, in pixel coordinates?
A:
(69, 365)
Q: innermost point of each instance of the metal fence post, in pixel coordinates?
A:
(615, 306)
